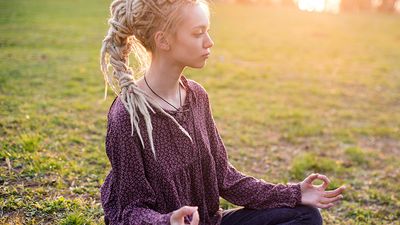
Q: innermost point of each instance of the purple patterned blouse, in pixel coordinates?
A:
(141, 190)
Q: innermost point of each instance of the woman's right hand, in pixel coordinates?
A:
(316, 195)
(178, 216)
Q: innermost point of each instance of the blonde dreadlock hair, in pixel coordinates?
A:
(133, 24)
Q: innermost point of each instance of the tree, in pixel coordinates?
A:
(355, 5)
(387, 6)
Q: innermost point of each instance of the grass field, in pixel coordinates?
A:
(292, 93)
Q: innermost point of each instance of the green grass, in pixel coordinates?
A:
(292, 93)
(356, 155)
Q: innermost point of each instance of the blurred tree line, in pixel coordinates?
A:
(345, 5)
(382, 5)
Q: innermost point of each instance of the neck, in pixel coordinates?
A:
(164, 78)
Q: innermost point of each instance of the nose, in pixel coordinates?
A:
(209, 42)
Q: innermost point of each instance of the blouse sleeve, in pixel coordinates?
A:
(127, 196)
(243, 190)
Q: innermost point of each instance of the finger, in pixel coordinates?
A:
(186, 210)
(336, 203)
(311, 178)
(325, 180)
(330, 205)
(324, 206)
(335, 192)
(331, 200)
(196, 218)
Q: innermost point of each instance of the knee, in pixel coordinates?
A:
(312, 214)
(106, 220)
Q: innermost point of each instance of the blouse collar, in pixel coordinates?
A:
(190, 96)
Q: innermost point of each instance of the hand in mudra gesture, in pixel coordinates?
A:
(178, 216)
(316, 195)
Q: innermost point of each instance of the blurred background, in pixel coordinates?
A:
(295, 86)
(334, 6)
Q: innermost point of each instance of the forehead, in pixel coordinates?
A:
(195, 16)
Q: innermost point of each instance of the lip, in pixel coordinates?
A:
(206, 55)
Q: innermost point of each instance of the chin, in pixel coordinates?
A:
(198, 65)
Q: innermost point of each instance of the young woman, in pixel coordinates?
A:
(169, 164)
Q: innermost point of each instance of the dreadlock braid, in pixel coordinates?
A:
(133, 24)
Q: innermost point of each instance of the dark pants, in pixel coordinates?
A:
(284, 216)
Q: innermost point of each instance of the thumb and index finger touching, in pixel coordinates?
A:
(188, 211)
(315, 176)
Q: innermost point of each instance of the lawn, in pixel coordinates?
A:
(291, 92)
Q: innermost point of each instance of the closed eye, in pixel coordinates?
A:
(201, 33)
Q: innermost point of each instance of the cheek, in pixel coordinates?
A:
(189, 47)
(190, 43)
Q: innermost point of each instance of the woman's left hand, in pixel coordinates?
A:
(316, 196)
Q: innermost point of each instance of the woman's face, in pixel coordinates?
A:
(192, 43)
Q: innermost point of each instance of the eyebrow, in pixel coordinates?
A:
(200, 26)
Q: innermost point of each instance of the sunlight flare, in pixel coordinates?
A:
(319, 5)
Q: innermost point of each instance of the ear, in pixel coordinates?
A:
(161, 40)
